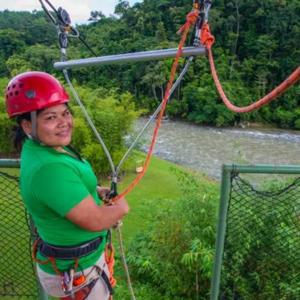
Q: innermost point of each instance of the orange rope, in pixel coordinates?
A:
(110, 261)
(51, 260)
(207, 39)
(190, 20)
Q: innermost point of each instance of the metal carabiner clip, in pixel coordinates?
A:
(207, 6)
(67, 281)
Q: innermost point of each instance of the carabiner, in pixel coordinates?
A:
(207, 6)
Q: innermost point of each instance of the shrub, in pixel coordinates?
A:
(113, 116)
(175, 255)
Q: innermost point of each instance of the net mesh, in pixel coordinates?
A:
(17, 278)
(261, 257)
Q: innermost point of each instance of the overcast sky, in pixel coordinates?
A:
(79, 10)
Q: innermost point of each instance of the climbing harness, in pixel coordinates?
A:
(203, 40)
(77, 287)
(69, 252)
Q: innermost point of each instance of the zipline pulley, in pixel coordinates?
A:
(63, 17)
(62, 21)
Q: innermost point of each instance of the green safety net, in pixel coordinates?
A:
(261, 258)
(17, 277)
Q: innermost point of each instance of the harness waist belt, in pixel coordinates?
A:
(66, 252)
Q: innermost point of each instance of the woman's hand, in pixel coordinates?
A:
(103, 192)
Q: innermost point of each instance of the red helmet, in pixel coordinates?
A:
(32, 91)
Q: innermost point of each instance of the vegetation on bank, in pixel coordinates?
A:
(257, 46)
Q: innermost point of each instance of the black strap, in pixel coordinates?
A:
(61, 252)
(107, 282)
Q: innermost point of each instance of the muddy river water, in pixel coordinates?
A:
(205, 149)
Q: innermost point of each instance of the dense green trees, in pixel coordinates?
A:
(257, 46)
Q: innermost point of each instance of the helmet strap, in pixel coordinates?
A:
(33, 134)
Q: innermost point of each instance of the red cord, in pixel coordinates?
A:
(207, 39)
(191, 19)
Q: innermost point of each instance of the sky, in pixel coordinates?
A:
(79, 10)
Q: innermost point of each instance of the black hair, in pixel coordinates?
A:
(19, 136)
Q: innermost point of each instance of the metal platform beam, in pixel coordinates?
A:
(129, 57)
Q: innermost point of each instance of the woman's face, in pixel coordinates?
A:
(55, 126)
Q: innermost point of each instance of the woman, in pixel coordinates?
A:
(60, 191)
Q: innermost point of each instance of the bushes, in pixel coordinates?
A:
(113, 116)
(175, 255)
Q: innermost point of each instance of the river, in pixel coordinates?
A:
(205, 149)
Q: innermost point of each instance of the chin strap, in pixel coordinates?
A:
(33, 134)
(33, 124)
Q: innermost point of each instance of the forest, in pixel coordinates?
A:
(257, 46)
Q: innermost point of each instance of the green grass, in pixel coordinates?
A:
(158, 184)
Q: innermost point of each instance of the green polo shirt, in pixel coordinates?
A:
(51, 184)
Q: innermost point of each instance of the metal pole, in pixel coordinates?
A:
(268, 169)
(129, 57)
(221, 230)
(9, 163)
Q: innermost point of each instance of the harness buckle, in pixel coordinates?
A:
(67, 278)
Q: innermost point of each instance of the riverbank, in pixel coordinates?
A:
(206, 149)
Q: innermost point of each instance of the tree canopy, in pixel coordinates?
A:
(257, 46)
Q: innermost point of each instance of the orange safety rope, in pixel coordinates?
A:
(110, 261)
(191, 19)
(207, 40)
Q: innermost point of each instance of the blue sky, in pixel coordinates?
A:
(79, 10)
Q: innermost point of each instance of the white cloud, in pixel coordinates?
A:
(79, 10)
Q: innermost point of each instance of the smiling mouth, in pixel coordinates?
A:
(64, 133)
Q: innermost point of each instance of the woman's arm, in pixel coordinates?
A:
(88, 215)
